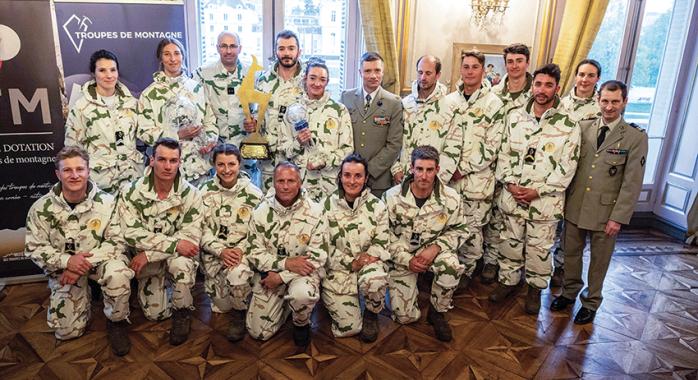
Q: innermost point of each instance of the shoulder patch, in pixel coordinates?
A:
(637, 127)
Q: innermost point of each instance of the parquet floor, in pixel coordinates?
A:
(647, 328)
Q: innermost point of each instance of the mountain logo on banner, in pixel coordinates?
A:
(75, 28)
(9, 44)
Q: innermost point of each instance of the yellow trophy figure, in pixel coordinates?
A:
(254, 146)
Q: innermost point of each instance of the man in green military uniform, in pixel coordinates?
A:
(601, 198)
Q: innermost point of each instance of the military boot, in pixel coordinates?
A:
(441, 328)
(236, 329)
(301, 335)
(489, 274)
(558, 277)
(463, 283)
(181, 324)
(502, 292)
(117, 333)
(532, 304)
(369, 329)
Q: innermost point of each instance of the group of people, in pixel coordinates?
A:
(367, 195)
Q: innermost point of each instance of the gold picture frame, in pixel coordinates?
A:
(493, 55)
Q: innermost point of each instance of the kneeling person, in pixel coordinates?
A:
(287, 247)
(358, 226)
(161, 221)
(426, 221)
(72, 234)
(229, 199)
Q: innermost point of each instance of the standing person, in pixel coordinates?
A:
(426, 221)
(228, 199)
(284, 82)
(427, 119)
(73, 235)
(358, 255)
(515, 91)
(601, 198)
(477, 114)
(376, 116)
(580, 104)
(319, 148)
(288, 246)
(161, 216)
(103, 121)
(536, 163)
(175, 106)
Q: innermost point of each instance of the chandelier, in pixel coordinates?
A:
(488, 12)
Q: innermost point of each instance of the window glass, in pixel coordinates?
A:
(605, 49)
(218, 15)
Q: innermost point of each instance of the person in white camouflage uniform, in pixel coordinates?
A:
(358, 230)
(228, 199)
(319, 148)
(580, 104)
(426, 222)
(287, 248)
(515, 91)
(284, 81)
(536, 163)
(478, 113)
(172, 87)
(104, 121)
(426, 118)
(72, 234)
(161, 216)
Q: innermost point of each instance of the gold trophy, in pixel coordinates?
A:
(254, 146)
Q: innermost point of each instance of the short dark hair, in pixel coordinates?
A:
(226, 149)
(370, 56)
(284, 35)
(71, 151)
(550, 69)
(161, 46)
(437, 62)
(316, 62)
(517, 49)
(167, 142)
(588, 61)
(102, 54)
(352, 158)
(473, 53)
(424, 152)
(615, 85)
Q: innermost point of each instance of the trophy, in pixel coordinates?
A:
(254, 146)
(297, 118)
(180, 112)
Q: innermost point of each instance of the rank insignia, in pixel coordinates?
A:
(530, 156)
(612, 171)
(70, 246)
(223, 232)
(642, 161)
(415, 239)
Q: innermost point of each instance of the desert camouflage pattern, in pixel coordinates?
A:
(195, 166)
(439, 221)
(333, 139)
(579, 109)
(501, 89)
(353, 230)
(227, 213)
(428, 122)
(155, 226)
(108, 133)
(276, 233)
(55, 232)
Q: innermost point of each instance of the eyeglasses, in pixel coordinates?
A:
(226, 47)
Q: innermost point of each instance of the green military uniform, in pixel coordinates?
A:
(541, 155)
(361, 227)
(55, 231)
(155, 226)
(495, 227)
(439, 221)
(330, 126)
(152, 107)
(227, 213)
(276, 233)
(606, 187)
(427, 122)
(107, 131)
(481, 121)
(283, 94)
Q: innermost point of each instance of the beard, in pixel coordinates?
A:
(293, 63)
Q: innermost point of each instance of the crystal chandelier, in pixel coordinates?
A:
(488, 12)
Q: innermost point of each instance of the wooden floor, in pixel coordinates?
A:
(647, 328)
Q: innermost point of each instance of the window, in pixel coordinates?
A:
(250, 14)
(239, 16)
(317, 33)
(658, 28)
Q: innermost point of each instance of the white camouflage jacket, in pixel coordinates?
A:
(579, 108)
